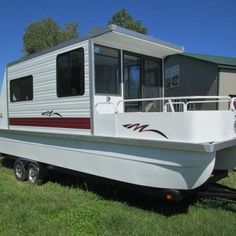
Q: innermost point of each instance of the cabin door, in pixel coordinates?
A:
(108, 90)
(142, 79)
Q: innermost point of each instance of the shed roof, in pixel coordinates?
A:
(218, 60)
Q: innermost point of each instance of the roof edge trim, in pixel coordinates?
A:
(96, 33)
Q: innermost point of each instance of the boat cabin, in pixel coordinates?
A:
(97, 85)
(66, 82)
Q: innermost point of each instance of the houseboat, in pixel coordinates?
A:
(96, 105)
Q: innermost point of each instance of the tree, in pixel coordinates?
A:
(124, 19)
(47, 33)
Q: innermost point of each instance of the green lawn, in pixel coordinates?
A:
(63, 206)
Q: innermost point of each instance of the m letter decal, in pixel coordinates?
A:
(143, 128)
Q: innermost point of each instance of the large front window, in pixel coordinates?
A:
(141, 76)
(107, 71)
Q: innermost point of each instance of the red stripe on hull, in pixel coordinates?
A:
(63, 122)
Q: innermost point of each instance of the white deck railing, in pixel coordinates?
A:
(169, 103)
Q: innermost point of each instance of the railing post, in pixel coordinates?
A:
(185, 107)
(171, 105)
(232, 107)
(164, 107)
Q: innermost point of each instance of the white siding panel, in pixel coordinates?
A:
(43, 69)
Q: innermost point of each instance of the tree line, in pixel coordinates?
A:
(46, 33)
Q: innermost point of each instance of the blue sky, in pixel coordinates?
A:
(202, 26)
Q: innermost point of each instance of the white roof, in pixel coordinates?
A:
(115, 34)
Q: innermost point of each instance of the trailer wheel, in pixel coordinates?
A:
(36, 173)
(19, 170)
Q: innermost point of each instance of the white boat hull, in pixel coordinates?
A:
(155, 164)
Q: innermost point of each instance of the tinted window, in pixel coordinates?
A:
(107, 70)
(142, 79)
(132, 76)
(21, 89)
(70, 73)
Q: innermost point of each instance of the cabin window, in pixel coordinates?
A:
(70, 73)
(21, 89)
(107, 70)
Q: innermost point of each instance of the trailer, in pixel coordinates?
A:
(96, 105)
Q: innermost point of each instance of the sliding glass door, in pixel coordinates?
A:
(142, 79)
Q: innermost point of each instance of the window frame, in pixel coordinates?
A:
(143, 57)
(20, 79)
(57, 87)
(120, 72)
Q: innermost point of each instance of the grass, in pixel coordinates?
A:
(64, 207)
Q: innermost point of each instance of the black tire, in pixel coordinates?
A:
(20, 170)
(36, 173)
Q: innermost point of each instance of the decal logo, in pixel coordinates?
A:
(50, 114)
(143, 128)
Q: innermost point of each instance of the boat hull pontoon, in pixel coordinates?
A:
(157, 164)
